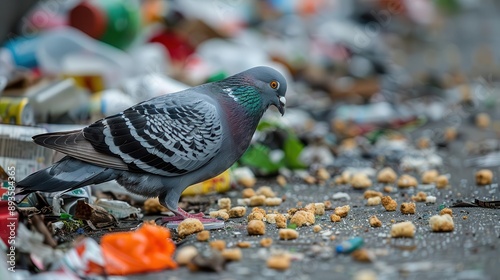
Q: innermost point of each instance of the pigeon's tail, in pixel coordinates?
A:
(67, 174)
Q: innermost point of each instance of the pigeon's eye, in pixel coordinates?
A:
(274, 84)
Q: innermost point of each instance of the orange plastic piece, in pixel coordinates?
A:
(145, 250)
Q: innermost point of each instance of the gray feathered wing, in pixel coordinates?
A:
(169, 136)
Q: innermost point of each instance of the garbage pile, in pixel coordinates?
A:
(375, 97)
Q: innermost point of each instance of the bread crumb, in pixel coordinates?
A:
(420, 197)
(388, 189)
(404, 229)
(273, 201)
(243, 201)
(442, 181)
(407, 181)
(450, 134)
(335, 218)
(344, 178)
(333, 237)
(372, 201)
(237, 212)
(309, 179)
(185, 254)
(408, 208)
(484, 177)
(430, 199)
(218, 244)
(375, 222)
(446, 211)
(257, 200)
(429, 176)
(423, 143)
(203, 235)
(255, 216)
(441, 223)
(320, 209)
(266, 242)
(288, 234)
(386, 175)
(189, 226)
(328, 204)
(322, 174)
(219, 214)
(233, 254)
(270, 218)
(317, 228)
(483, 120)
(279, 262)
(311, 207)
(362, 255)
(372, 193)
(303, 218)
(389, 203)
(153, 206)
(266, 191)
(464, 218)
(342, 211)
(247, 182)
(243, 244)
(360, 181)
(247, 193)
(224, 203)
(280, 221)
(281, 180)
(256, 227)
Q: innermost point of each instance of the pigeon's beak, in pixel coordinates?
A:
(282, 103)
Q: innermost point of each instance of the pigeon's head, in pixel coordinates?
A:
(271, 84)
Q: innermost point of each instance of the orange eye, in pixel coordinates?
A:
(274, 84)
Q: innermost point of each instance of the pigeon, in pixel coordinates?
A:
(161, 146)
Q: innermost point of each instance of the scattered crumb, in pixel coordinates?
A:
(442, 181)
(255, 216)
(483, 120)
(243, 244)
(333, 237)
(372, 201)
(259, 210)
(153, 206)
(360, 181)
(310, 180)
(430, 199)
(266, 242)
(281, 180)
(450, 134)
(320, 209)
(446, 211)
(342, 211)
(372, 193)
(303, 218)
(404, 229)
(344, 178)
(322, 174)
(429, 176)
(388, 189)
(408, 208)
(280, 221)
(243, 201)
(245, 177)
(224, 203)
(317, 228)
(335, 218)
(247, 182)
(464, 218)
(247, 193)
(270, 218)
(328, 204)
(256, 227)
(420, 197)
(266, 191)
(237, 212)
(365, 275)
(203, 235)
(273, 201)
(218, 244)
(362, 255)
(375, 222)
(389, 203)
(279, 262)
(423, 143)
(189, 226)
(407, 181)
(219, 214)
(441, 223)
(257, 200)
(233, 254)
(484, 177)
(288, 234)
(185, 254)
(386, 175)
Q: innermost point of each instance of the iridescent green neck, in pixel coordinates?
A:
(247, 96)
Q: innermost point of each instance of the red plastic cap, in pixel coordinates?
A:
(89, 19)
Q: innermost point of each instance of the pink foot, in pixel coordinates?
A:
(180, 215)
